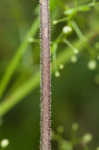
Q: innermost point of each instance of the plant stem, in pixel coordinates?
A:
(45, 77)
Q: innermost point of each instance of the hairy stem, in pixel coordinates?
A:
(45, 76)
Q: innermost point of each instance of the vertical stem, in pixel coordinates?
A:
(45, 77)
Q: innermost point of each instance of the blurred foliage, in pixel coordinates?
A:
(75, 73)
(75, 141)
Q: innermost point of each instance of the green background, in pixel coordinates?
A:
(75, 94)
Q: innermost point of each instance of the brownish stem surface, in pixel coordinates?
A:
(45, 77)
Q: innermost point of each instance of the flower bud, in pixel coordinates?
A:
(57, 74)
(4, 143)
(67, 29)
(87, 138)
(92, 65)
